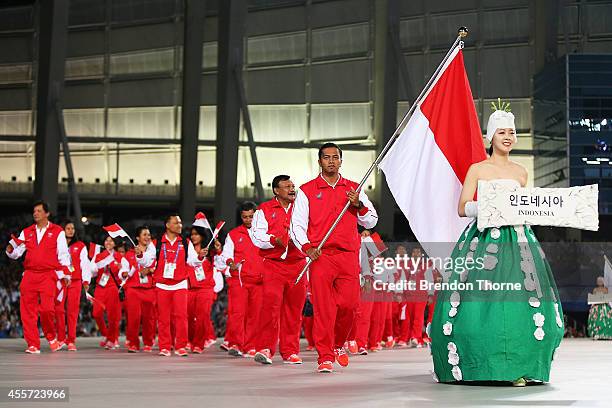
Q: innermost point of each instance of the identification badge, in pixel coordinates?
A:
(199, 273)
(143, 278)
(104, 279)
(169, 270)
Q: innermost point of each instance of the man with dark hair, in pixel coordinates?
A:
(282, 263)
(329, 145)
(334, 272)
(244, 281)
(170, 277)
(46, 251)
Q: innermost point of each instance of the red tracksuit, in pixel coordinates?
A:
(334, 276)
(71, 298)
(244, 289)
(139, 304)
(412, 327)
(283, 300)
(107, 292)
(171, 289)
(200, 298)
(39, 280)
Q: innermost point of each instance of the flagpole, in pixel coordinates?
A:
(462, 33)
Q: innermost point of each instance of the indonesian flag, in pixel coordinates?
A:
(426, 166)
(60, 291)
(94, 249)
(115, 231)
(95, 301)
(201, 221)
(220, 225)
(374, 244)
(15, 242)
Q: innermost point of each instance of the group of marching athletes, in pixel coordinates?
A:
(167, 287)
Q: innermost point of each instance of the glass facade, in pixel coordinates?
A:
(573, 124)
(309, 75)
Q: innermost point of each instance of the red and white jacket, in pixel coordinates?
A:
(135, 280)
(239, 248)
(109, 266)
(316, 206)
(80, 261)
(271, 221)
(46, 250)
(170, 252)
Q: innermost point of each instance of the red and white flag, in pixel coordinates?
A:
(220, 225)
(115, 231)
(15, 242)
(95, 301)
(426, 166)
(374, 244)
(201, 221)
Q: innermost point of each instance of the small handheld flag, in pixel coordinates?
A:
(115, 230)
(216, 232)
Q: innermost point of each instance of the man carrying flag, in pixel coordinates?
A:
(44, 244)
(334, 272)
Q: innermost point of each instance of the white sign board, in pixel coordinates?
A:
(501, 203)
(599, 298)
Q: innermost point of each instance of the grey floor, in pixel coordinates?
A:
(581, 376)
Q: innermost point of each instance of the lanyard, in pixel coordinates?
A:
(175, 257)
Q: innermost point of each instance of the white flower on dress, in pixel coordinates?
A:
(490, 262)
(529, 284)
(552, 294)
(452, 312)
(492, 248)
(463, 276)
(435, 377)
(538, 334)
(558, 316)
(474, 243)
(461, 245)
(453, 358)
(527, 266)
(538, 319)
(495, 233)
(469, 255)
(457, 373)
(534, 301)
(455, 299)
(452, 347)
(447, 328)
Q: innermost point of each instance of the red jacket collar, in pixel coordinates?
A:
(322, 183)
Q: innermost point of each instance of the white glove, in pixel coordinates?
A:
(471, 209)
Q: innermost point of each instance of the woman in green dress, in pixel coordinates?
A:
(496, 335)
(600, 316)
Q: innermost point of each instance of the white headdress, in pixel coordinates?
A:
(501, 118)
